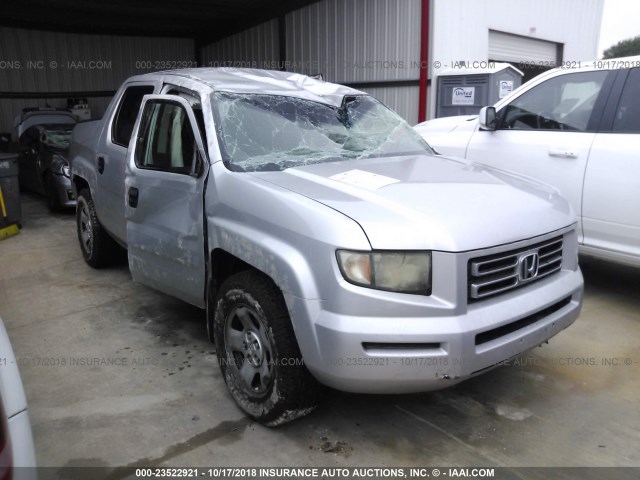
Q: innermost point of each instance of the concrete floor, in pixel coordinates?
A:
(169, 406)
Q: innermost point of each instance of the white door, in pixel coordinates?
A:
(611, 205)
(546, 133)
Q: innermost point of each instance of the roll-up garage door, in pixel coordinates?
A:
(530, 55)
(518, 49)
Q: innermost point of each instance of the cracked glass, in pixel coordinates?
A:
(57, 137)
(274, 132)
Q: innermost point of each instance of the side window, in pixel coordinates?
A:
(127, 113)
(166, 141)
(627, 119)
(562, 103)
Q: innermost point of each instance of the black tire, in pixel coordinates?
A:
(53, 201)
(262, 367)
(97, 246)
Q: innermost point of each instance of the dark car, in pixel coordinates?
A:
(44, 165)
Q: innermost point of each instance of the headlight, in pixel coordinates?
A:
(60, 165)
(405, 272)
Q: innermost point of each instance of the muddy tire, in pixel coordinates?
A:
(97, 246)
(258, 353)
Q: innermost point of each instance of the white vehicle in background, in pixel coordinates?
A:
(577, 129)
(16, 441)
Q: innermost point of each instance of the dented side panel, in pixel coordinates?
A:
(290, 238)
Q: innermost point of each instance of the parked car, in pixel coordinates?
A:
(577, 129)
(16, 441)
(327, 242)
(44, 165)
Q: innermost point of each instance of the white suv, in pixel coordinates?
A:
(577, 129)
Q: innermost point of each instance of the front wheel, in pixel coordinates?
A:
(96, 244)
(258, 352)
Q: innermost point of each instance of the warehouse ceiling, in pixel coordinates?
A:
(203, 20)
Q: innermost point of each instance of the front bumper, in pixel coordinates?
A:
(402, 355)
(368, 341)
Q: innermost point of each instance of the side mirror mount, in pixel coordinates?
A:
(487, 118)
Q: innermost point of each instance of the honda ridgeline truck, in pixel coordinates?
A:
(327, 242)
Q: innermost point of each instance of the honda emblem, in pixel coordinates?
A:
(528, 266)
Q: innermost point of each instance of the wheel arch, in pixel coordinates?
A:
(222, 265)
(78, 184)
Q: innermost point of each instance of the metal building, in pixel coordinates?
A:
(385, 47)
(393, 49)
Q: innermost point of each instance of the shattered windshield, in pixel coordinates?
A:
(58, 137)
(272, 132)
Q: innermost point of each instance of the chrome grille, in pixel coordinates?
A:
(493, 274)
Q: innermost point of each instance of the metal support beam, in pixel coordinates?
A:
(424, 61)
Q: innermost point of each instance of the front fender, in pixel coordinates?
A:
(283, 263)
(289, 237)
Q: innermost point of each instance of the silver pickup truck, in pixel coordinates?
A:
(326, 240)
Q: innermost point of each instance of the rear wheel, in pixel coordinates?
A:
(258, 352)
(96, 245)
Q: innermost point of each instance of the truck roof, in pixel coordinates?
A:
(256, 81)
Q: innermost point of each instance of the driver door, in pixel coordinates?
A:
(547, 132)
(164, 187)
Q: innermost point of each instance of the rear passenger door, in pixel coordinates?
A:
(165, 179)
(611, 205)
(111, 156)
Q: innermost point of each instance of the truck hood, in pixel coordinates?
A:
(445, 124)
(430, 202)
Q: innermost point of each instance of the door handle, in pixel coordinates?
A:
(100, 164)
(133, 197)
(562, 153)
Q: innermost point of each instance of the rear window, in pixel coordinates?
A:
(127, 113)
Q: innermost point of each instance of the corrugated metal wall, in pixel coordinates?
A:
(365, 43)
(403, 100)
(50, 62)
(257, 47)
(359, 42)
